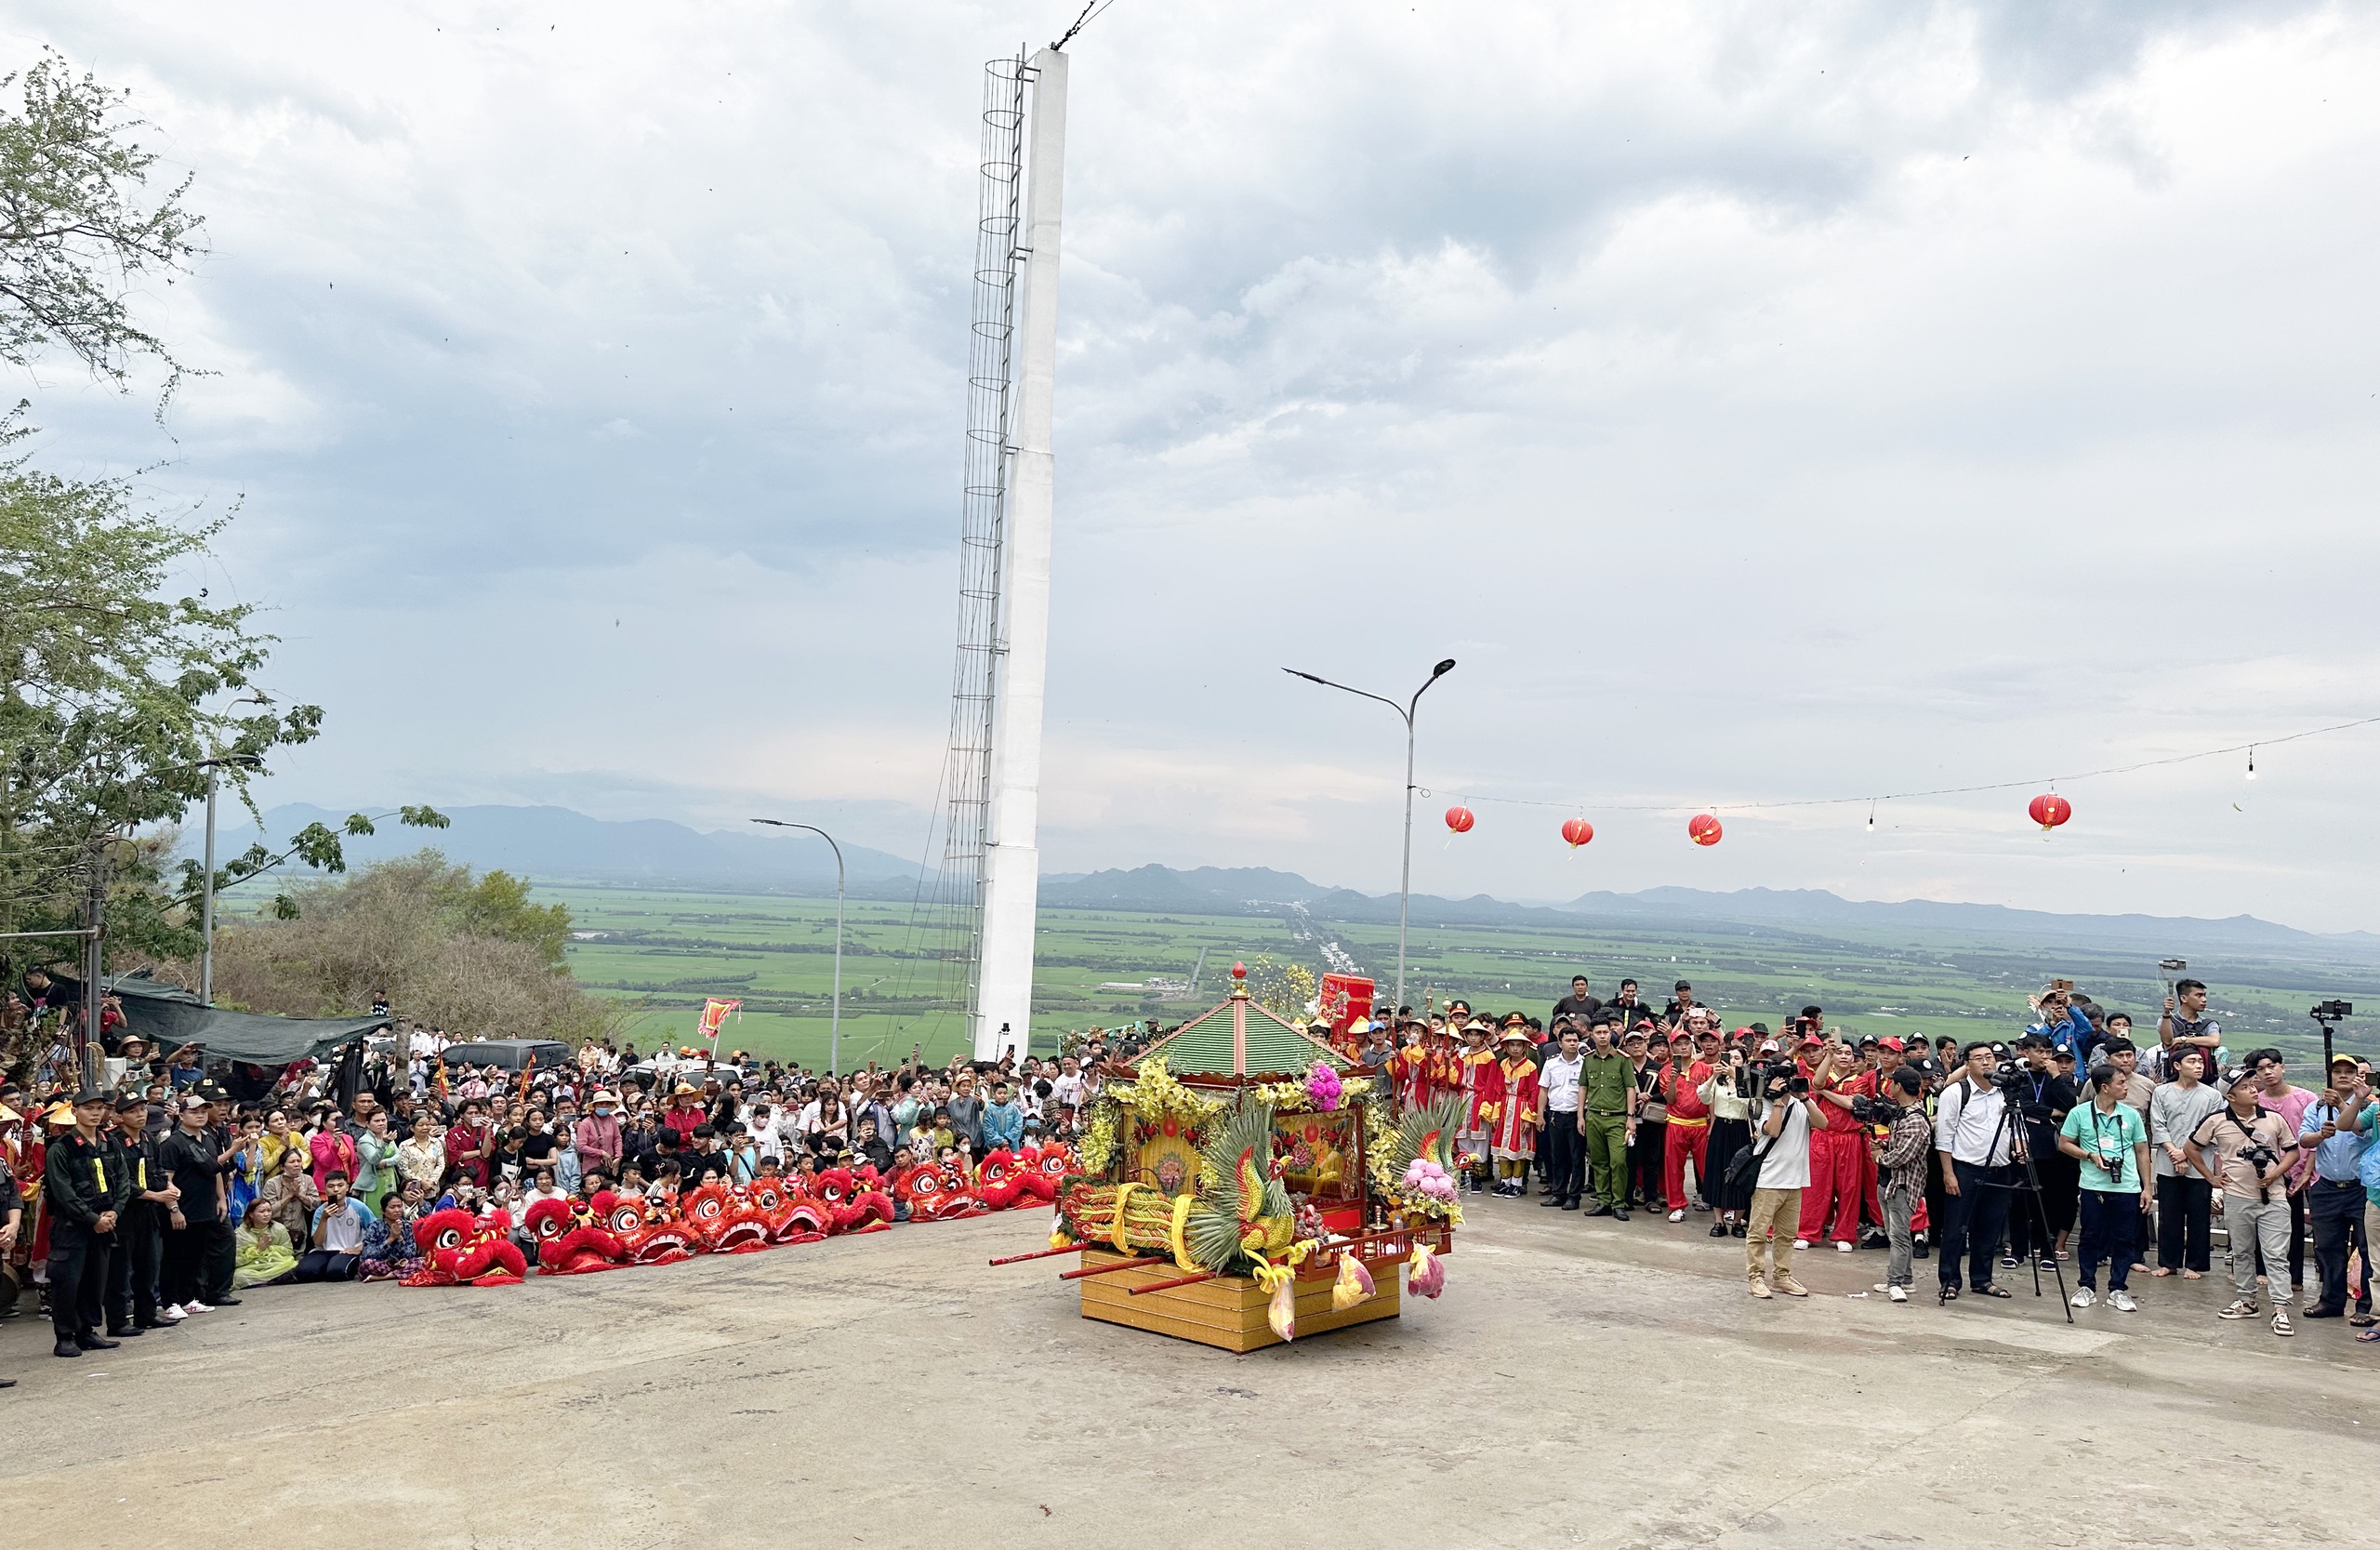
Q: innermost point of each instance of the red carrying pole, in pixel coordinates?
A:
(1179, 1280)
(1042, 1254)
(1119, 1265)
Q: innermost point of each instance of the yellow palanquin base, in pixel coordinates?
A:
(1227, 1312)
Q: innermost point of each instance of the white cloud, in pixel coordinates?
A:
(1760, 404)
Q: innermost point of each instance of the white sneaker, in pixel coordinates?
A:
(2281, 1324)
(2084, 1297)
(2122, 1302)
(1842, 1248)
(1801, 1243)
(198, 1308)
(1899, 1294)
(173, 1315)
(1677, 1216)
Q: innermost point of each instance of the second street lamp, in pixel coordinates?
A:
(1405, 886)
(835, 1026)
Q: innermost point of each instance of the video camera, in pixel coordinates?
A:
(1772, 1071)
(1874, 1111)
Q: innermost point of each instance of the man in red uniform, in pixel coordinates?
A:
(1838, 1154)
(1689, 1117)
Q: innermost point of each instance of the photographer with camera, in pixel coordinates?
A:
(2335, 1199)
(1978, 1148)
(1783, 1115)
(2250, 1151)
(1909, 1135)
(2045, 1099)
(2107, 1138)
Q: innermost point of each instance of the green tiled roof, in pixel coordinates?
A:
(1209, 1045)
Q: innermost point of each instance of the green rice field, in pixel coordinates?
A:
(667, 951)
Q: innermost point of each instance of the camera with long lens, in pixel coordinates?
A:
(1769, 1071)
(1874, 1111)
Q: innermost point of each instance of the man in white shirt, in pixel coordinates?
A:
(1979, 1149)
(1067, 1090)
(1557, 1125)
(1781, 1130)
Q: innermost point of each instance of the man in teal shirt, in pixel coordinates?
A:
(2107, 1134)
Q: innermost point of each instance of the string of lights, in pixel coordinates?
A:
(1875, 798)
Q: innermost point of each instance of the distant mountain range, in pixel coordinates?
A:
(554, 844)
(1220, 891)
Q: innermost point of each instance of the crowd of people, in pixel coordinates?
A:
(187, 1183)
(2076, 1141)
(183, 1183)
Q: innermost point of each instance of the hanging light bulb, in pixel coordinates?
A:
(2252, 761)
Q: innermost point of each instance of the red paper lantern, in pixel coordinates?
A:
(1703, 829)
(1578, 831)
(2049, 810)
(1460, 819)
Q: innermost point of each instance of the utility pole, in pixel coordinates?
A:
(95, 903)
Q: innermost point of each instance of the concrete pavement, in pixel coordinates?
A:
(1581, 1382)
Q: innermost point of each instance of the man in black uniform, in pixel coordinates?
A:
(221, 1257)
(1577, 1004)
(187, 1161)
(78, 1192)
(144, 1196)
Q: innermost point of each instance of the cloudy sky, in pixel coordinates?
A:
(1760, 406)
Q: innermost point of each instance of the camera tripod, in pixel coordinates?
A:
(2027, 1191)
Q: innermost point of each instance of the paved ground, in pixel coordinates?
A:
(1581, 1382)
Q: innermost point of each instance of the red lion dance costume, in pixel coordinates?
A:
(568, 1245)
(462, 1249)
(649, 1235)
(1000, 1178)
(854, 1205)
(725, 1220)
(932, 1193)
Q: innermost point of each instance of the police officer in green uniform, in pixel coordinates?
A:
(80, 1196)
(1608, 1115)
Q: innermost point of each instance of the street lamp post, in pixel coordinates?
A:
(835, 1026)
(1404, 887)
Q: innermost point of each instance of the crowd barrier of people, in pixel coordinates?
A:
(2074, 1143)
(165, 1197)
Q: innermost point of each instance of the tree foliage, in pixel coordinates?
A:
(470, 954)
(80, 225)
(118, 688)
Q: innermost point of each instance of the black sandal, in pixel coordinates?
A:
(1993, 1291)
(1950, 1294)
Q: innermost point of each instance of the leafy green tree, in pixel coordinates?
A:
(470, 954)
(115, 694)
(80, 226)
